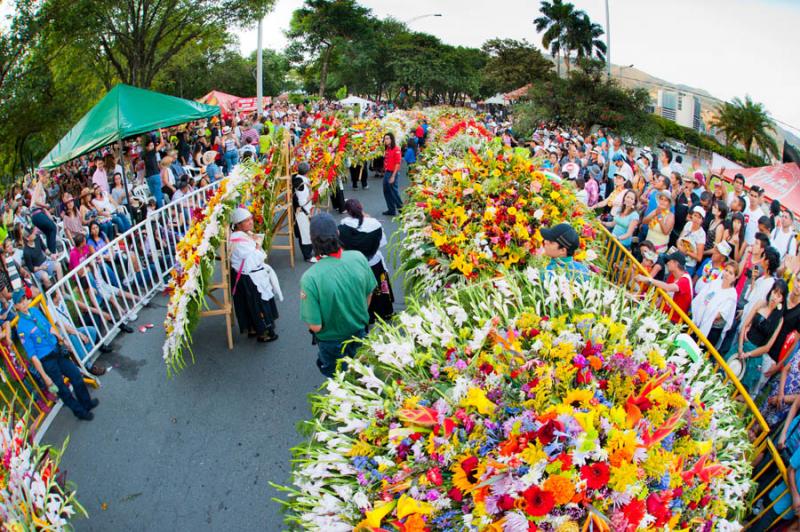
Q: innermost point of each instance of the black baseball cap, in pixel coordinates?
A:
(677, 256)
(563, 235)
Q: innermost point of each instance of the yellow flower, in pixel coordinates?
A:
(376, 515)
(580, 396)
(533, 453)
(438, 239)
(622, 476)
(569, 526)
(477, 397)
(512, 211)
(460, 264)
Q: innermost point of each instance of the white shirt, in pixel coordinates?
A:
(713, 300)
(751, 224)
(758, 292)
(784, 242)
(696, 237)
(732, 195)
(369, 225)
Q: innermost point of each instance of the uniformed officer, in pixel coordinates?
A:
(45, 347)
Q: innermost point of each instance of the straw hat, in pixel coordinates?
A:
(86, 191)
(209, 157)
(226, 130)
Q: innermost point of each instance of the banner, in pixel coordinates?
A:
(780, 182)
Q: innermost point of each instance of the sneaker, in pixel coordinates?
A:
(267, 338)
(313, 260)
(93, 403)
(106, 348)
(88, 416)
(97, 371)
(124, 327)
(388, 213)
(366, 187)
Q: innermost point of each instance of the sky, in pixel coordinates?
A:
(727, 47)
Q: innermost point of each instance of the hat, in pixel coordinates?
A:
(86, 191)
(699, 210)
(226, 130)
(646, 155)
(618, 157)
(323, 226)
(724, 248)
(565, 135)
(18, 295)
(563, 235)
(737, 367)
(239, 215)
(597, 151)
(209, 157)
(664, 194)
(303, 168)
(595, 170)
(677, 256)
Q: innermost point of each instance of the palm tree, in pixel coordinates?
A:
(555, 23)
(584, 37)
(748, 123)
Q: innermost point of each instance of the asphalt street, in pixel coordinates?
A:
(197, 452)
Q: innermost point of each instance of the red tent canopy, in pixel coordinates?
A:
(516, 94)
(780, 182)
(226, 102)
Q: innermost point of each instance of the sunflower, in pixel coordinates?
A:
(467, 474)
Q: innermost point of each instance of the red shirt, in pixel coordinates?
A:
(391, 160)
(682, 298)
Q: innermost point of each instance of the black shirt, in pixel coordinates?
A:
(791, 322)
(35, 256)
(150, 163)
(761, 328)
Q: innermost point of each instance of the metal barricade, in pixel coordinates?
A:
(621, 269)
(90, 302)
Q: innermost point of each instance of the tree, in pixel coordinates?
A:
(138, 38)
(748, 123)
(584, 37)
(319, 27)
(512, 64)
(556, 20)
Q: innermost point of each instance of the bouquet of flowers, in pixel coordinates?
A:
(32, 494)
(366, 141)
(468, 215)
(324, 147)
(525, 403)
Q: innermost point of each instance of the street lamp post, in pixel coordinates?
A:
(409, 21)
(608, 42)
(260, 70)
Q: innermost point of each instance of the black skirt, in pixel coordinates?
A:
(382, 296)
(253, 313)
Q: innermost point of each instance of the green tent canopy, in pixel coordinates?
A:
(124, 112)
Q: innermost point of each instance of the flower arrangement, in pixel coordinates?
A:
(33, 496)
(468, 215)
(324, 147)
(522, 403)
(366, 141)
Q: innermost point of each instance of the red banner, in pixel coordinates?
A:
(780, 182)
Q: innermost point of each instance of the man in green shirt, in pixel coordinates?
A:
(335, 294)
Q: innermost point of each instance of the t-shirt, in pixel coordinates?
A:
(621, 225)
(391, 161)
(682, 298)
(785, 243)
(100, 179)
(695, 237)
(34, 256)
(151, 163)
(751, 224)
(333, 293)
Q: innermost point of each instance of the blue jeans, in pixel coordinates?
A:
(330, 351)
(82, 349)
(154, 184)
(46, 226)
(121, 222)
(391, 193)
(57, 366)
(231, 160)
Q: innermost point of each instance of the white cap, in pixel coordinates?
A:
(240, 215)
(724, 248)
(701, 211)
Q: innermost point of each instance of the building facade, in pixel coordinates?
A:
(680, 107)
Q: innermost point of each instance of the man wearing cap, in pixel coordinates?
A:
(622, 167)
(335, 294)
(678, 285)
(560, 244)
(712, 269)
(45, 347)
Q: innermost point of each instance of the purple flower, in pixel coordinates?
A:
(461, 365)
(435, 371)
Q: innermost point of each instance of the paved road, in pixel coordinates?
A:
(197, 452)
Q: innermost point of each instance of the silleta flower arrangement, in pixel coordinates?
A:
(471, 214)
(33, 496)
(521, 404)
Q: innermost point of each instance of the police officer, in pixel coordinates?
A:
(45, 347)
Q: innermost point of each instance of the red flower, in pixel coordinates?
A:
(658, 507)
(505, 502)
(455, 494)
(435, 476)
(634, 512)
(469, 465)
(547, 432)
(537, 501)
(595, 475)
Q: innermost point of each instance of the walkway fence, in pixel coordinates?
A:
(90, 303)
(110, 286)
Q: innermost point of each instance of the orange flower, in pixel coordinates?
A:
(562, 488)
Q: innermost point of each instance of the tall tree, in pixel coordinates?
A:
(584, 37)
(556, 20)
(748, 123)
(512, 64)
(140, 37)
(319, 27)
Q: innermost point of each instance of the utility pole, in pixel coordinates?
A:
(608, 42)
(260, 70)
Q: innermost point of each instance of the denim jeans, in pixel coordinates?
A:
(231, 160)
(331, 351)
(82, 349)
(121, 222)
(391, 193)
(154, 184)
(46, 226)
(57, 366)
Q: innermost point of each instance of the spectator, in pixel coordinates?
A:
(40, 215)
(89, 213)
(660, 221)
(763, 279)
(256, 285)
(100, 177)
(580, 191)
(107, 209)
(713, 267)
(791, 319)
(757, 334)
(118, 192)
(714, 306)
(783, 237)
(335, 294)
(167, 178)
(624, 224)
(678, 285)
(593, 185)
(212, 170)
(738, 191)
(70, 217)
(734, 235)
(230, 149)
(692, 240)
(753, 214)
(765, 225)
(391, 168)
(361, 232)
(614, 199)
(43, 344)
(715, 230)
(45, 268)
(82, 339)
(152, 169)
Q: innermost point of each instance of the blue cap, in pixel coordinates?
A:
(18, 295)
(617, 157)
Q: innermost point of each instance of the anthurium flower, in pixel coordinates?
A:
(407, 506)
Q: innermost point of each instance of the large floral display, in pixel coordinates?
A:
(471, 212)
(33, 494)
(523, 403)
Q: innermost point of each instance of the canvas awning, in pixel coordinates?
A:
(225, 101)
(497, 99)
(124, 112)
